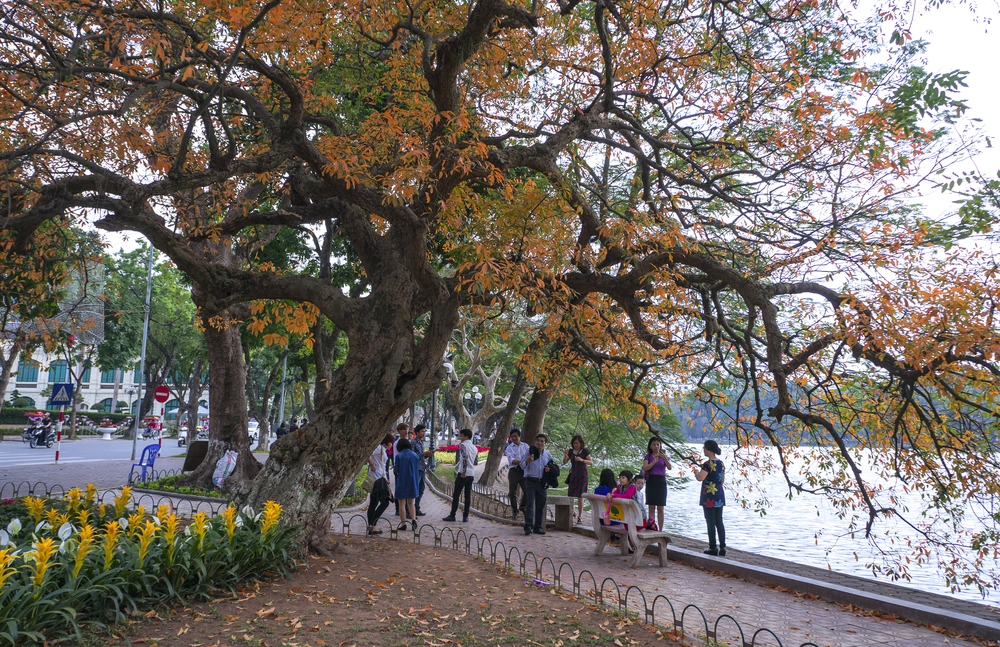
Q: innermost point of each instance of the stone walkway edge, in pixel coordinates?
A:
(912, 611)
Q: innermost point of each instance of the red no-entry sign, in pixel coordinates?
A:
(161, 393)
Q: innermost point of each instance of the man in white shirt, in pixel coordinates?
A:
(516, 453)
(465, 473)
(535, 465)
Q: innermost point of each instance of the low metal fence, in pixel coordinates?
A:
(486, 499)
(680, 621)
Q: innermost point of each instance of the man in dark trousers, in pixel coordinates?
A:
(417, 445)
(465, 473)
(517, 453)
(535, 467)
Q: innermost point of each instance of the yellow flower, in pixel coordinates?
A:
(86, 540)
(91, 493)
(170, 534)
(111, 531)
(44, 550)
(135, 519)
(36, 507)
(83, 515)
(145, 538)
(5, 561)
(162, 512)
(121, 501)
(710, 488)
(229, 520)
(272, 512)
(200, 525)
(74, 495)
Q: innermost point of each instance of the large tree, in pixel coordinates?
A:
(672, 188)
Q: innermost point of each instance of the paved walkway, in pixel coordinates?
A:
(795, 619)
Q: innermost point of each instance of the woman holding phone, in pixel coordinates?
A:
(655, 464)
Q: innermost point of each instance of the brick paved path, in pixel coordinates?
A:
(794, 619)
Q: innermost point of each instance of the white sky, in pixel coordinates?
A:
(958, 40)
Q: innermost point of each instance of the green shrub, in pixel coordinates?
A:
(93, 564)
(174, 484)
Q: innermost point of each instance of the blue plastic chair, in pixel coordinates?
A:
(146, 460)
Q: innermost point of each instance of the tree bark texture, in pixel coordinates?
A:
(534, 413)
(499, 441)
(227, 402)
(7, 366)
(385, 371)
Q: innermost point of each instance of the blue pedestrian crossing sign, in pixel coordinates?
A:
(62, 394)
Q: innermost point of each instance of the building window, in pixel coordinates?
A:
(104, 405)
(58, 372)
(109, 377)
(85, 380)
(170, 409)
(27, 370)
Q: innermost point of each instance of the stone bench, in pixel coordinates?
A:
(563, 511)
(628, 512)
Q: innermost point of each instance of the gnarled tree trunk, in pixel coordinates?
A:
(227, 402)
(385, 372)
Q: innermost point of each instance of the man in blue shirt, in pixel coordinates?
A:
(535, 465)
(417, 444)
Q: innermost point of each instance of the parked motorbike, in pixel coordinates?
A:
(148, 433)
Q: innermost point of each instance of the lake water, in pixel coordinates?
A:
(804, 529)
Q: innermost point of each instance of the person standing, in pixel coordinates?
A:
(535, 466)
(712, 474)
(402, 433)
(579, 458)
(406, 467)
(465, 473)
(516, 453)
(656, 464)
(640, 497)
(417, 443)
(379, 498)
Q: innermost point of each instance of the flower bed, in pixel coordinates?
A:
(74, 562)
(447, 454)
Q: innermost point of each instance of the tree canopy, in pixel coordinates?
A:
(698, 193)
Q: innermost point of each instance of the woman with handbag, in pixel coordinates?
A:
(655, 466)
(379, 499)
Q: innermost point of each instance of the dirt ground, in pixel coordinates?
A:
(389, 594)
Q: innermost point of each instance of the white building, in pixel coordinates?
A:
(98, 389)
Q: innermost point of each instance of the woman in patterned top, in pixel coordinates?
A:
(712, 474)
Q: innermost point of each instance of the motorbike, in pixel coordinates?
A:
(41, 436)
(29, 432)
(148, 433)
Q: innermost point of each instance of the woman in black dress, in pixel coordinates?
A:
(579, 457)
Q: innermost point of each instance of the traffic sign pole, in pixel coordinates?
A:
(62, 408)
